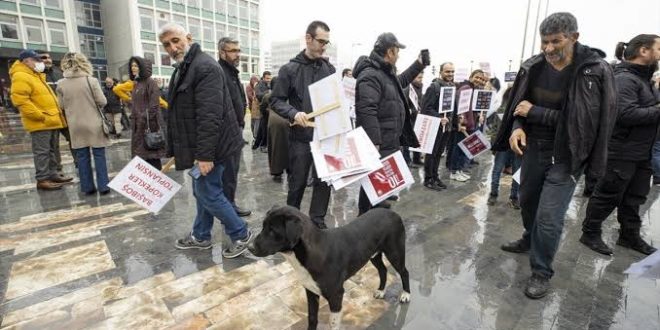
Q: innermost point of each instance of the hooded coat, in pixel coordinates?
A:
(81, 96)
(380, 104)
(291, 93)
(145, 98)
(585, 122)
(35, 100)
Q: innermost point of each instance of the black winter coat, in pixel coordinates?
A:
(114, 103)
(431, 103)
(380, 104)
(291, 94)
(262, 89)
(586, 121)
(201, 122)
(236, 91)
(638, 113)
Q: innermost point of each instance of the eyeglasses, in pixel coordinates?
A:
(321, 41)
(44, 57)
(232, 50)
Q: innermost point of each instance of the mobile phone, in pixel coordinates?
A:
(426, 57)
(194, 172)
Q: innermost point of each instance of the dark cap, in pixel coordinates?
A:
(388, 40)
(27, 53)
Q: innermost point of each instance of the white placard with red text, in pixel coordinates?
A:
(474, 144)
(426, 130)
(393, 177)
(145, 185)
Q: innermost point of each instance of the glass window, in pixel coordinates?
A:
(194, 28)
(244, 37)
(149, 52)
(146, 20)
(232, 9)
(255, 65)
(243, 9)
(92, 45)
(254, 40)
(245, 64)
(233, 32)
(179, 20)
(88, 14)
(220, 31)
(32, 2)
(207, 4)
(165, 59)
(57, 33)
(193, 3)
(178, 1)
(163, 18)
(100, 72)
(220, 6)
(9, 27)
(53, 3)
(254, 12)
(34, 30)
(208, 30)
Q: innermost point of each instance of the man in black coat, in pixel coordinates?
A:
(230, 58)
(290, 99)
(380, 105)
(415, 105)
(626, 181)
(561, 112)
(202, 134)
(262, 88)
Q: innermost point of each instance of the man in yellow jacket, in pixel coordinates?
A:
(40, 114)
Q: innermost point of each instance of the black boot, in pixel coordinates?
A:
(631, 239)
(595, 242)
(519, 246)
(537, 287)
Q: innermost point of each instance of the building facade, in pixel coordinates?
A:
(283, 51)
(109, 32)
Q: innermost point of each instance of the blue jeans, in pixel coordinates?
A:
(655, 159)
(502, 159)
(212, 202)
(85, 169)
(458, 160)
(546, 190)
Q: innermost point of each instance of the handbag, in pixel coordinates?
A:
(106, 125)
(153, 140)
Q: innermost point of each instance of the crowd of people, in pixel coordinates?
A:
(568, 113)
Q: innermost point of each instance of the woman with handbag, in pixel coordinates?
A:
(147, 139)
(80, 96)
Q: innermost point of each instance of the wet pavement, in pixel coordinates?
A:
(100, 262)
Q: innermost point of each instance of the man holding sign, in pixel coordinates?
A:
(559, 118)
(290, 99)
(381, 107)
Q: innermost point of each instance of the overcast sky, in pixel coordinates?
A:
(457, 31)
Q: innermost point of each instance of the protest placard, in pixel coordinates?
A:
(474, 144)
(464, 100)
(413, 97)
(482, 100)
(349, 93)
(510, 76)
(330, 107)
(346, 158)
(426, 129)
(393, 177)
(447, 99)
(461, 74)
(145, 185)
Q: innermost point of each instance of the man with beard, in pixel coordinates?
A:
(230, 58)
(559, 118)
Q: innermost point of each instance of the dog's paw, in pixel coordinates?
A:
(379, 294)
(405, 298)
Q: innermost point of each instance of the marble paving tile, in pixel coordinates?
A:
(229, 290)
(101, 290)
(35, 241)
(45, 321)
(145, 285)
(266, 313)
(29, 163)
(196, 322)
(140, 311)
(32, 185)
(473, 199)
(34, 274)
(56, 217)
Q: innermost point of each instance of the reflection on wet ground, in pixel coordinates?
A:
(74, 261)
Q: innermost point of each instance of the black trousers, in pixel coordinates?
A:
(230, 177)
(364, 204)
(625, 187)
(432, 161)
(300, 162)
(262, 134)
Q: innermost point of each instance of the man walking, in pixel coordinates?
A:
(290, 99)
(230, 58)
(559, 118)
(202, 134)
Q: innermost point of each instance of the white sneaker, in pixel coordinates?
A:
(465, 175)
(458, 177)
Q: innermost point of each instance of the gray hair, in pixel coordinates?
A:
(226, 40)
(562, 22)
(172, 27)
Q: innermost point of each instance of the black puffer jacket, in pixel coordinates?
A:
(588, 114)
(638, 113)
(201, 122)
(380, 105)
(236, 91)
(291, 94)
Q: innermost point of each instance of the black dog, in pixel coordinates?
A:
(324, 259)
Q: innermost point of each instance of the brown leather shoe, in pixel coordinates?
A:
(48, 185)
(62, 179)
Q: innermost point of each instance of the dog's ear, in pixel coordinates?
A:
(294, 230)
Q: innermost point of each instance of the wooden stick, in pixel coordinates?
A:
(323, 110)
(168, 165)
